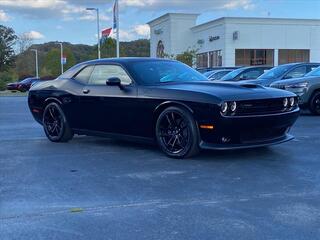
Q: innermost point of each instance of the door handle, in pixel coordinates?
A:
(85, 91)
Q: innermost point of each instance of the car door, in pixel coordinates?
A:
(109, 108)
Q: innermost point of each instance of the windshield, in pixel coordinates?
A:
(207, 74)
(156, 72)
(314, 72)
(275, 72)
(232, 75)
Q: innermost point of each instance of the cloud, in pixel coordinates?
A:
(142, 30)
(34, 35)
(138, 31)
(188, 5)
(92, 16)
(3, 16)
(67, 9)
(245, 4)
(71, 9)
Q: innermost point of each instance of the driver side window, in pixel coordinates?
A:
(251, 74)
(101, 73)
(297, 72)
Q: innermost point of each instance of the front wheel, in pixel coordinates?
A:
(315, 104)
(55, 124)
(177, 133)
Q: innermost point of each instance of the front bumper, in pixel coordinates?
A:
(249, 131)
(212, 146)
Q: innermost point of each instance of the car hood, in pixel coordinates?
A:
(295, 80)
(12, 84)
(228, 91)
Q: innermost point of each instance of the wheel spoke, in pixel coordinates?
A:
(53, 121)
(168, 119)
(174, 132)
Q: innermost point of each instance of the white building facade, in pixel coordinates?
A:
(236, 41)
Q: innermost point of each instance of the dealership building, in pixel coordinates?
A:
(236, 41)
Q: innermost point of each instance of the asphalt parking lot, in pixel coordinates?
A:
(94, 188)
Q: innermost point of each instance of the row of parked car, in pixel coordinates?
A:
(25, 84)
(303, 79)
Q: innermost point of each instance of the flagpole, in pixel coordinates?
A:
(98, 27)
(117, 16)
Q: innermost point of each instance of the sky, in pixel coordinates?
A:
(68, 21)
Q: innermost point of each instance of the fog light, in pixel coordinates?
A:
(285, 102)
(225, 139)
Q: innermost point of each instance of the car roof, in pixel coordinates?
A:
(250, 67)
(299, 63)
(125, 60)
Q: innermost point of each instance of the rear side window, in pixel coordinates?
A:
(101, 73)
(84, 75)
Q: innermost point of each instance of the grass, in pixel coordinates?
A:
(12, 94)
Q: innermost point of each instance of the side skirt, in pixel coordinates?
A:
(117, 136)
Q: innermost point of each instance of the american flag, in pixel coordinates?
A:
(106, 32)
(115, 11)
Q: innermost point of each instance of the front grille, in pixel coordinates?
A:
(258, 107)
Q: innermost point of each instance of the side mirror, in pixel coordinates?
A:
(113, 81)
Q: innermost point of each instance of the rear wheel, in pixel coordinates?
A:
(55, 124)
(315, 104)
(177, 133)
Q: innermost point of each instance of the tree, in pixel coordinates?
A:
(52, 61)
(24, 42)
(7, 40)
(187, 57)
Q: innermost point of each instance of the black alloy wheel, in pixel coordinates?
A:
(55, 124)
(315, 104)
(177, 133)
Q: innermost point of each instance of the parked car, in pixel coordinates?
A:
(217, 74)
(204, 70)
(283, 72)
(23, 85)
(161, 101)
(307, 89)
(245, 73)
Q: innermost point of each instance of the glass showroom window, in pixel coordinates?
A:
(202, 60)
(253, 57)
(215, 58)
(293, 55)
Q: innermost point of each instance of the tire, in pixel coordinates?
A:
(315, 103)
(177, 133)
(55, 124)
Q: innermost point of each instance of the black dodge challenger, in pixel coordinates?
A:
(163, 101)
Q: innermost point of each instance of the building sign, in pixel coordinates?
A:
(158, 31)
(64, 60)
(200, 41)
(214, 38)
(235, 35)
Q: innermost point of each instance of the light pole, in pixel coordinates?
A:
(61, 56)
(98, 28)
(37, 66)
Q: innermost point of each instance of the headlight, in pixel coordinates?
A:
(285, 102)
(224, 107)
(233, 106)
(297, 85)
(291, 101)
